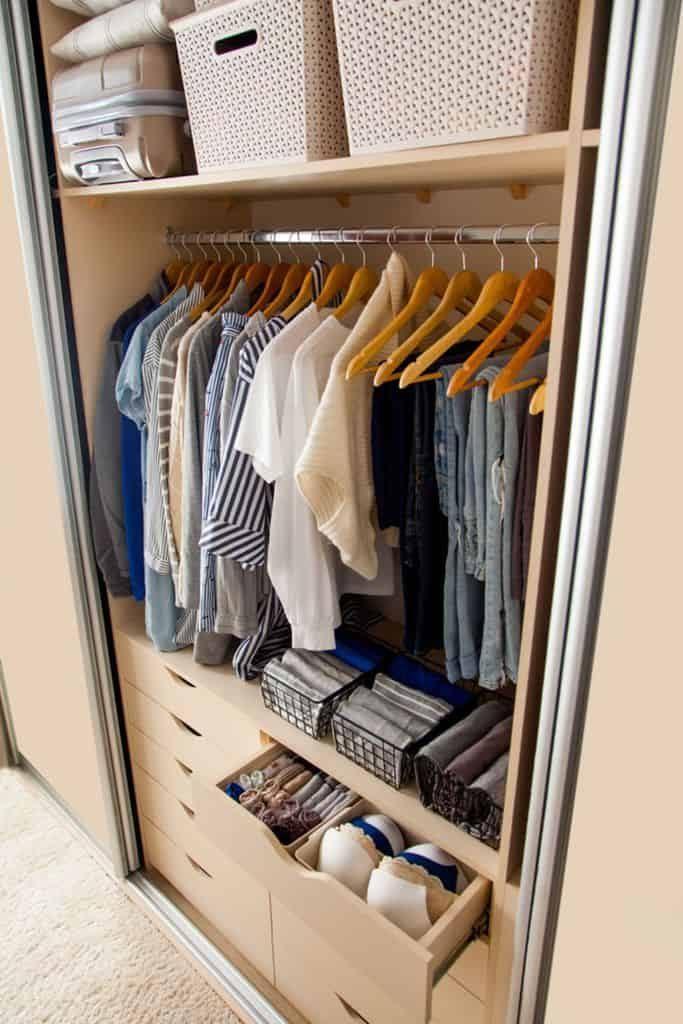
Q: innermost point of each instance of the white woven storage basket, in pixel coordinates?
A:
(262, 82)
(430, 72)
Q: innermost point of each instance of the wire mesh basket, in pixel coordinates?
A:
(311, 716)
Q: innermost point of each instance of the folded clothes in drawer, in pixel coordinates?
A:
(288, 795)
(380, 727)
(402, 967)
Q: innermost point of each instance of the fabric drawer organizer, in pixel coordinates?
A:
(402, 966)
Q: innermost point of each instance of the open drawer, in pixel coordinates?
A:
(375, 947)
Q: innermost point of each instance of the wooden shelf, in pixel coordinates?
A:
(403, 804)
(531, 159)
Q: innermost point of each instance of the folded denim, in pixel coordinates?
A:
(431, 709)
(474, 761)
(432, 759)
(362, 700)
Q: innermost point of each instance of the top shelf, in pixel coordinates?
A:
(531, 159)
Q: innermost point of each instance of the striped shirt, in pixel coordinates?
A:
(156, 538)
(167, 372)
(233, 323)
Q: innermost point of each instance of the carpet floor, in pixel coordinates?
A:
(73, 948)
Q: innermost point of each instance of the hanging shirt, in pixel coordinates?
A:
(105, 494)
(130, 400)
(232, 325)
(334, 472)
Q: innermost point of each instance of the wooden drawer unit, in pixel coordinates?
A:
(234, 903)
(169, 771)
(328, 990)
(176, 735)
(204, 711)
(369, 943)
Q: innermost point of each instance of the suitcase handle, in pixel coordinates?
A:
(235, 43)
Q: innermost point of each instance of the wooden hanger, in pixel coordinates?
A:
(537, 404)
(538, 283)
(272, 284)
(185, 273)
(305, 294)
(506, 380)
(431, 282)
(362, 285)
(292, 282)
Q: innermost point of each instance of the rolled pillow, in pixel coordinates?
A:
(89, 8)
(133, 24)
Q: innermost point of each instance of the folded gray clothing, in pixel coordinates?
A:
(211, 648)
(406, 720)
(432, 760)
(474, 761)
(321, 794)
(320, 672)
(341, 801)
(314, 684)
(493, 780)
(311, 787)
(376, 725)
(431, 709)
(339, 794)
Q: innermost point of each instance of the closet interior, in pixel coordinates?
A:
(315, 949)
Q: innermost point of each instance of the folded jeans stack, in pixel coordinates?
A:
(290, 797)
(462, 773)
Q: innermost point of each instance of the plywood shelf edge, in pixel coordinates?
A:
(403, 804)
(533, 159)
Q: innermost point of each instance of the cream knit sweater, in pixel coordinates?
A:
(334, 471)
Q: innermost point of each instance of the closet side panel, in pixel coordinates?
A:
(620, 929)
(43, 667)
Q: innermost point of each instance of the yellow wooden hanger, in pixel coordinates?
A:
(361, 286)
(173, 269)
(499, 287)
(506, 380)
(272, 284)
(431, 282)
(185, 273)
(537, 404)
(538, 283)
(339, 277)
(220, 284)
(293, 282)
(305, 294)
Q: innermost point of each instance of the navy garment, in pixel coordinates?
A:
(416, 675)
(392, 441)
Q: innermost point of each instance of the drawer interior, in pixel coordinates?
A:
(360, 935)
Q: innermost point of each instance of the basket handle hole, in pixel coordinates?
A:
(240, 41)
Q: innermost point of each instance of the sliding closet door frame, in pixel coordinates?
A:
(21, 109)
(639, 70)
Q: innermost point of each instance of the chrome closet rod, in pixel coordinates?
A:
(506, 234)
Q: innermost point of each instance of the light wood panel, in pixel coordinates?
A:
(40, 645)
(228, 693)
(626, 842)
(533, 159)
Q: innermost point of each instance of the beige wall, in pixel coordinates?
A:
(39, 640)
(619, 949)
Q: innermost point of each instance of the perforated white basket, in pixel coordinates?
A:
(429, 72)
(262, 82)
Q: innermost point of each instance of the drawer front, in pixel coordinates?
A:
(170, 772)
(177, 736)
(227, 897)
(377, 949)
(227, 729)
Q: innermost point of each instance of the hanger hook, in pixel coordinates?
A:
(496, 240)
(228, 246)
(428, 242)
(214, 246)
(457, 241)
(316, 246)
(530, 239)
(252, 243)
(359, 238)
(238, 243)
(198, 243)
(170, 239)
(183, 242)
(291, 248)
(391, 237)
(340, 238)
(272, 245)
